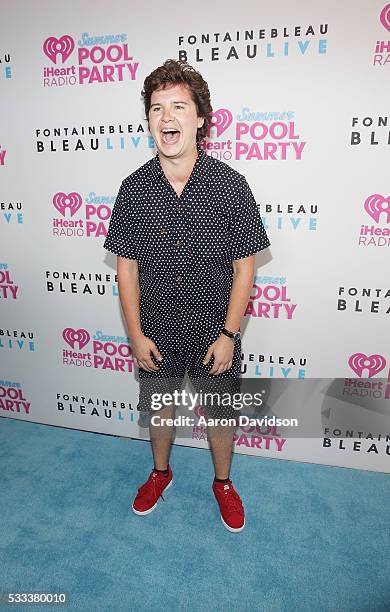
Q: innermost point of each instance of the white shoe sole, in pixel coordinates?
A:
(153, 507)
(232, 528)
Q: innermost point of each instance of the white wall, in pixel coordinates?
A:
(322, 89)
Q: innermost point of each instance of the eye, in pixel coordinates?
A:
(179, 106)
(155, 108)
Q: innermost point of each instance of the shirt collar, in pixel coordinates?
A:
(199, 171)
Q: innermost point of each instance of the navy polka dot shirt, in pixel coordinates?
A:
(185, 245)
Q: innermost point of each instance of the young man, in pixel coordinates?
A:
(185, 227)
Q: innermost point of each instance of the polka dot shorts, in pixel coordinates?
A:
(177, 362)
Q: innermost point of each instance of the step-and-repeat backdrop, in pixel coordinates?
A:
(300, 100)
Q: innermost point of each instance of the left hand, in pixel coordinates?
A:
(222, 350)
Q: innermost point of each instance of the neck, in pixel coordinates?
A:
(179, 170)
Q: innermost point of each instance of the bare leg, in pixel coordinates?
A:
(220, 439)
(161, 437)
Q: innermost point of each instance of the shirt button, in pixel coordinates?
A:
(179, 278)
(163, 230)
(178, 207)
(178, 243)
(193, 232)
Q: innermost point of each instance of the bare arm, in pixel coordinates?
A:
(129, 295)
(128, 285)
(222, 348)
(241, 289)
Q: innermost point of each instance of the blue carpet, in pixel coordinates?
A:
(316, 537)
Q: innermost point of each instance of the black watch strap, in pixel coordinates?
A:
(230, 334)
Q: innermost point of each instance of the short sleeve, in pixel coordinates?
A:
(119, 239)
(248, 233)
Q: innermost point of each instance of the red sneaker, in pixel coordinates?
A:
(149, 493)
(230, 505)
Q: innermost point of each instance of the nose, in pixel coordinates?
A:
(167, 115)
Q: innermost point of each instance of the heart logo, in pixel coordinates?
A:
(221, 119)
(72, 201)
(71, 336)
(58, 46)
(200, 411)
(359, 362)
(385, 17)
(376, 204)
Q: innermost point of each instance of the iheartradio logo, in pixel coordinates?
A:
(93, 223)
(73, 336)
(360, 362)
(377, 205)
(221, 119)
(58, 47)
(72, 201)
(102, 354)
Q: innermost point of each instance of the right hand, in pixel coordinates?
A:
(143, 349)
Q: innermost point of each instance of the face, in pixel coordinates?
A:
(173, 121)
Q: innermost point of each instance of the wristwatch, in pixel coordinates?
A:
(235, 336)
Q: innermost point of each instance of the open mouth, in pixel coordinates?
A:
(170, 135)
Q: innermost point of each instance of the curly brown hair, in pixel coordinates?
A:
(177, 72)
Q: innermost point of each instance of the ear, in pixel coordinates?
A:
(200, 121)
